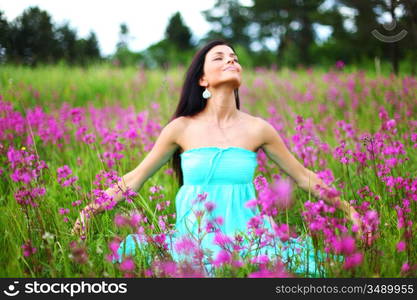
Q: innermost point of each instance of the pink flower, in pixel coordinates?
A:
(255, 222)
(371, 224)
(326, 176)
(260, 259)
(340, 64)
(260, 182)
(128, 194)
(28, 249)
(114, 246)
(355, 228)
(103, 198)
(127, 265)
(63, 179)
(64, 171)
(276, 198)
(237, 263)
(135, 219)
(405, 268)
(251, 203)
(210, 206)
(201, 198)
(390, 124)
(63, 211)
(185, 245)
(401, 246)
(155, 188)
(283, 190)
(76, 203)
(223, 257)
(279, 272)
(282, 231)
(222, 240)
(345, 245)
(219, 220)
(77, 114)
(160, 238)
(119, 220)
(209, 227)
(169, 268)
(353, 260)
(89, 138)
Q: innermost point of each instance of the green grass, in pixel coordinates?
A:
(103, 86)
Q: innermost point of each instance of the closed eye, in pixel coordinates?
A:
(221, 58)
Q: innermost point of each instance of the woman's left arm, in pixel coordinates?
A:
(275, 149)
(311, 183)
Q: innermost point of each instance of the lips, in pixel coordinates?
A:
(230, 68)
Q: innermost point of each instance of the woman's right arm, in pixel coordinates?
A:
(163, 149)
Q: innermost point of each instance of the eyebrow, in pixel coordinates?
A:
(231, 54)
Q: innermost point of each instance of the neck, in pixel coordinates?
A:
(221, 107)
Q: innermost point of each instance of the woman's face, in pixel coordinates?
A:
(221, 66)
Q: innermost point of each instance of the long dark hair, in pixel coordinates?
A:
(191, 99)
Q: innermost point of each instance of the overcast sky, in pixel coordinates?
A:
(146, 20)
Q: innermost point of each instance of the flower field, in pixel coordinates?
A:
(68, 134)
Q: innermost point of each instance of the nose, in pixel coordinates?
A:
(230, 59)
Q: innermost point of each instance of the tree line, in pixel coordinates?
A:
(32, 38)
(267, 32)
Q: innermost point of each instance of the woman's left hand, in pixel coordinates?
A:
(357, 222)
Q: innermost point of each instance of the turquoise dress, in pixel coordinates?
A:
(225, 175)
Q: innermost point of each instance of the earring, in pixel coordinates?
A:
(206, 94)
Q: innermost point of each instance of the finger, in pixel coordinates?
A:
(74, 232)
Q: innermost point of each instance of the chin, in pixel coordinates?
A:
(233, 81)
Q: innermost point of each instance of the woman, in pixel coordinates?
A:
(214, 145)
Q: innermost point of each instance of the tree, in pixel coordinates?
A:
(290, 23)
(4, 36)
(92, 50)
(67, 43)
(177, 33)
(87, 49)
(33, 37)
(410, 17)
(123, 56)
(231, 21)
(123, 37)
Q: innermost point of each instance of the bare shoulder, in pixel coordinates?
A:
(178, 124)
(250, 119)
(261, 125)
(174, 128)
(260, 121)
(265, 131)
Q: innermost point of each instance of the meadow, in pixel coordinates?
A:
(67, 133)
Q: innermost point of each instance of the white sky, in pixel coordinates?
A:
(146, 20)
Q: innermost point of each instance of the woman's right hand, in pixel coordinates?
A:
(80, 225)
